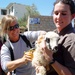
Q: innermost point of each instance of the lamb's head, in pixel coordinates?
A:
(51, 39)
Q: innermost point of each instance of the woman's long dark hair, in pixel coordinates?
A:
(71, 3)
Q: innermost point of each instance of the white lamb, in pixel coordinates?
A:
(38, 60)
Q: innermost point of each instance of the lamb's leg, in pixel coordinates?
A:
(40, 70)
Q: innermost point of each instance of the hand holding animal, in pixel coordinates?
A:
(39, 61)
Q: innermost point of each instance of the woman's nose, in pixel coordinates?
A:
(59, 16)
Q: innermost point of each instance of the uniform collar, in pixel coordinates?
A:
(67, 29)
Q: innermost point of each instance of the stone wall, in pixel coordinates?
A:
(45, 23)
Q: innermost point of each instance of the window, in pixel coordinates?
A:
(3, 12)
(12, 9)
(9, 11)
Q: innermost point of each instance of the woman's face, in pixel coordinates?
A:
(61, 15)
(13, 31)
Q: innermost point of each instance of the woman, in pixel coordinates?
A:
(63, 61)
(21, 62)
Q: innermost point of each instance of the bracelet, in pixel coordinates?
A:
(52, 61)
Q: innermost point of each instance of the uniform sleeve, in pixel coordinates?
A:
(5, 57)
(69, 53)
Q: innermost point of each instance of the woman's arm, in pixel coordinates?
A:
(9, 65)
(60, 69)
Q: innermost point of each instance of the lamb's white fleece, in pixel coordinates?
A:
(38, 58)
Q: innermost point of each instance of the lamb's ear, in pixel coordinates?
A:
(47, 40)
(48, 43)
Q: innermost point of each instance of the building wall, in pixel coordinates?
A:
(1, 16)
(46, 23)
(10, 9)
(18, 10)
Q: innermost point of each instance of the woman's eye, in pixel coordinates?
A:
(63, 14)
(56, 13)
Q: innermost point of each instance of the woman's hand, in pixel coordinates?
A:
(46, 52)
(27, 56)
(8, 73)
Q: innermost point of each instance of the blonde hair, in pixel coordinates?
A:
(6, 21)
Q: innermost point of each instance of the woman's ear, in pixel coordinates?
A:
(73, 16)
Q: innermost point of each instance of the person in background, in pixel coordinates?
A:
(22, 62)
(3, 39)
(0, 49)
(63, 61)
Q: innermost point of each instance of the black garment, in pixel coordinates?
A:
(2, 40)
(66, 49)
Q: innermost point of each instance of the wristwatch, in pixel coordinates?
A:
(52, 61)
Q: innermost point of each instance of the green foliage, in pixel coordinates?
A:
(22, 21)
(31, 11)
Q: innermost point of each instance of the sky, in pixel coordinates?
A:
(44, 7)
